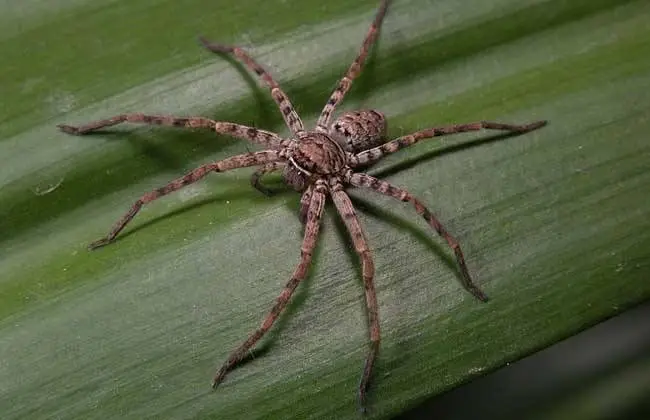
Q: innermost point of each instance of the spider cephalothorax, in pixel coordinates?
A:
(313, 155)
(320, 163)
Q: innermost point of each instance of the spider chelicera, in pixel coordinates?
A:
(319, 163)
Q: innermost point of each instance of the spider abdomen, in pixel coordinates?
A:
(356, 131)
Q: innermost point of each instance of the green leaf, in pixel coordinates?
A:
(554, 223)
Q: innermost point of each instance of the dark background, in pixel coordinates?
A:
(601, 373)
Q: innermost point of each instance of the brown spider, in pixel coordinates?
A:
(318, 163)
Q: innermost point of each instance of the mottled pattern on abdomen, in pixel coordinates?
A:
(357, 131)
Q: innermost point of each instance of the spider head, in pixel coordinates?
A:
(313, 155)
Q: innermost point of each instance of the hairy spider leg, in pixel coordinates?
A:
(351, 221)
(287, 109)
(306, 251)
(354, 70)
(239, 161)
(383, 187)
(255, 135)
(373, 155)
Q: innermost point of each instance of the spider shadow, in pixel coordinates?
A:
(175, 158)
(171, 148)
(427, 238)
(299, 296)
(297, 300)
(366, 82)
(261, 97)
(279, 189)
(229, 196)
(410, 163)
(161, 148)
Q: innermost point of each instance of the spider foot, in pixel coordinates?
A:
(361, 401)
(533, 126)
(478, 294)
(99, 243)
(219, 378)
(214, 47)
(362, 405)
(70, 129)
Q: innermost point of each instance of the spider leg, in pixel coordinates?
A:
(373, 155)
(345, 209)
(383, 187)
(265, 138)
(259, 173)
(355, 68)
(239, 161)
(305, 199)
(287, 109)
(309, 243)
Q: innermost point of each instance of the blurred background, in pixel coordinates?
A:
(601, 373)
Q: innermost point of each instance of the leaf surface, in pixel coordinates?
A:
(554, 223)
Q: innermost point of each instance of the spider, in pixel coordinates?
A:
(319, 163)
